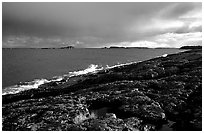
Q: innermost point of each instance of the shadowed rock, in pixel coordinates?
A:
(163, 93)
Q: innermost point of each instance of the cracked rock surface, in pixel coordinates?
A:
(163, 93)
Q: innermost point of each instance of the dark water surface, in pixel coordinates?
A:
(20, 65)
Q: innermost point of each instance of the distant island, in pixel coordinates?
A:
(163, 93)
(183, 47)
(117, 47)
(191, 47)
(67, 47)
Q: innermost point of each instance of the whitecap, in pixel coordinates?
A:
(37, 82)
(24, 86)
(91, 69)
(164, 55)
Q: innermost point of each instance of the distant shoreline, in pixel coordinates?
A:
(94, 48)
(159, 93)
(114, 47)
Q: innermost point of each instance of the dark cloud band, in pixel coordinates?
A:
(96, 23)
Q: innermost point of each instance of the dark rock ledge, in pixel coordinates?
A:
(163, 93)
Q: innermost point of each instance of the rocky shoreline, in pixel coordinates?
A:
(163, 93)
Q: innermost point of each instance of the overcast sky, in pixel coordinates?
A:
(101, 24)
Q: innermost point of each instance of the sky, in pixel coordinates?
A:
(95, 25)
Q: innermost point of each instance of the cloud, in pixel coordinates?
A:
(37, 42)
(176, 10)
(177, 17)
(162, 40)
(169, 40)
(178, 40)
(96, 24)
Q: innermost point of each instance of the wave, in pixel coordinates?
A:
(37, 82)
(24, 86)
(164, 55)
(91, 69)
(119, 65)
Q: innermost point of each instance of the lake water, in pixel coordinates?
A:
(26, 68)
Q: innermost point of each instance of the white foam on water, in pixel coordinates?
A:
(122, 64)
(164, 55)
(24, 86)
(37, 82)
(91, 69)
(29, 85)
